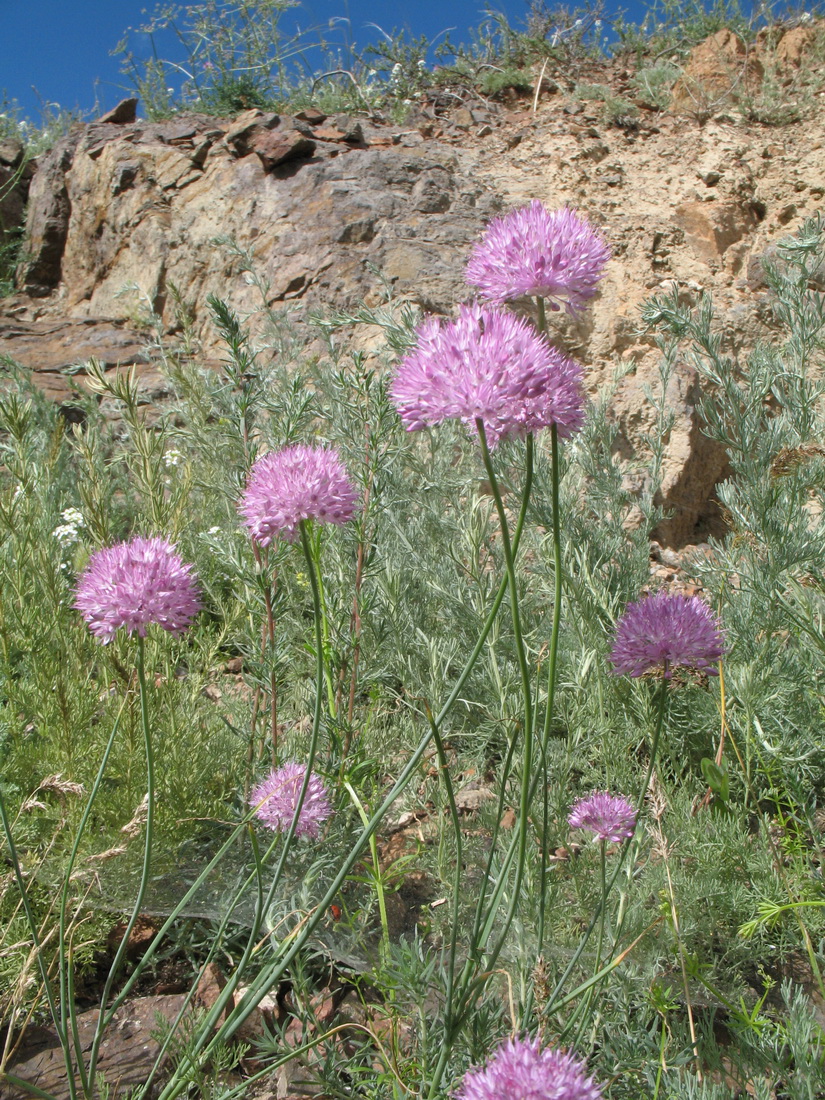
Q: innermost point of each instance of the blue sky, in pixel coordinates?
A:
(58, 51)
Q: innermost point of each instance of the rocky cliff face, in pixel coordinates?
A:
(691, 200)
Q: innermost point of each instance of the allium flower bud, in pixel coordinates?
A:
(296, 483)
(607, 816)
(542, 253)
(488, 365)
(133, 584)
(667, 631)
(520, 1070)
(276, 798)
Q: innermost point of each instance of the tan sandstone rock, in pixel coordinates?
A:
(120, 212)
(718, 68)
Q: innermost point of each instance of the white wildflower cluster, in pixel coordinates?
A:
(172, 458)
(67, 532)
(396, 76)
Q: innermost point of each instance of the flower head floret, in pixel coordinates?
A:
(667, 631)
(607, 816)
(276, 798)
(553, 254)
(135, 583)
(520, 1070)
(294, 484)
(489, 365)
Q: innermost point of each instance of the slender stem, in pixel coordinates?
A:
(551, 1002)
(315, 583)
(459, 858)
(588, 1001)
(210, 1032)
(603, 882)
(317, 709)
(269, 631)
(526, 691)
(253, 752)
(355, 620)
(493, 612)
(273, 673)
(376, 864)
(267, 978)
(662, 1066)
(465, 985)
(476, 938)
(552, 672)
(64, 961)
(654, 745)
(106, 1015)
(314, 563)
(552, 677)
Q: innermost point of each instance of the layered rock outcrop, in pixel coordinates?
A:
(128, 214)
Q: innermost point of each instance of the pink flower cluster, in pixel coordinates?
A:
(275, 800)
(667, 631)
(488, 364)
(294, 484)
(520, 1070)
(491, 366)
(553, 254)
(135, 583)
(606, 816)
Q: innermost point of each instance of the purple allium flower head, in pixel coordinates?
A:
(135, 583)
(293, 484)
(607, 816)
(492, 365)
(276, 797)
(520, 1070)
(664, 632)
(553, 254)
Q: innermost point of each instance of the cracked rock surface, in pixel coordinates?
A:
(124, 215)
